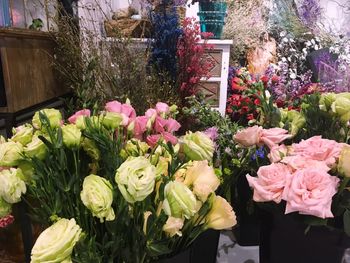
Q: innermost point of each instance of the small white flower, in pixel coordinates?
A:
(308, 44)
(316, 47)
(284, 59)
(283, 34)
(285, 40)
(313, 41)
(293, 76)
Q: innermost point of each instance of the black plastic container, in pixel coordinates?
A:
(203, 250)
(283, 239)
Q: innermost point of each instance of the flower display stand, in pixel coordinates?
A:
(283, 239)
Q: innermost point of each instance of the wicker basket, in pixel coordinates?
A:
(180, 10)
(127, 27)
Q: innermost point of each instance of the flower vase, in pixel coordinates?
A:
(203, 249)
(247, 231)
(212, 17)
(284, 239)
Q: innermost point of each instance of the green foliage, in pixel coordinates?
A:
(319, 122)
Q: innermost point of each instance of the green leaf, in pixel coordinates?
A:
(315, 221)
(158, 249)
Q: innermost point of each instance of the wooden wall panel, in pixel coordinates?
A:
(28, 69)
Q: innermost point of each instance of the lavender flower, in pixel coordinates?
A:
(310, 12)
(212, 133)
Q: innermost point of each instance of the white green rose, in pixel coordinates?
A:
(97, 196)
(136, 178)
(56, 243)
(11, 185)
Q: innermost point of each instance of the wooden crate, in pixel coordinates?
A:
(27, 68)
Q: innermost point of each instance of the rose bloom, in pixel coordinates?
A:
(277, 153)
(249, 137)
(318, 149)
(309, 191)
(274, 136)
(299, 162)
(270, 183)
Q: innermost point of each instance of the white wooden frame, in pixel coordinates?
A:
(224, 46)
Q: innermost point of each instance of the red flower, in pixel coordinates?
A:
(275, 79)
(229, 110)
(250, 116)
(265, 79)
(237, 84)
(257, 102)
(280, 103)
(7, 220)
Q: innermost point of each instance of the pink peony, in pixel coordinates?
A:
(172, 125)
(152, 140)
(270, 183)
(159, 124)
(318, 149)
(168, 137)
(151, 113)
(72, 119)
(162, 107)
(6, 220)
(114, 106)
(310, 191)
(250, 136)
(299, 162)
(140, 125)
(272, 137)
(128, 110)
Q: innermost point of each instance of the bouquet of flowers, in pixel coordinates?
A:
(308, 174)
(113, 186)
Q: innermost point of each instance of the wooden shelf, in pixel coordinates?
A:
(23, 33)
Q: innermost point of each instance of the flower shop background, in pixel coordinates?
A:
(291, 53)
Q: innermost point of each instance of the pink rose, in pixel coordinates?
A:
(159, 124)
(249, 136)
(114, 106)
(172, 125)
(272, 137)
(168, 137)
(140, 125)
(298, 162)
(270, 183)
(162, 108)
(151, 114)
(129, 111)
(310, 191)
(318, 149)
(72, 119)
(277, 153)
(152, 140)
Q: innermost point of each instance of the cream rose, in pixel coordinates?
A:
(221, 216)
(173, 226)
(56, 243)
(202, 179)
